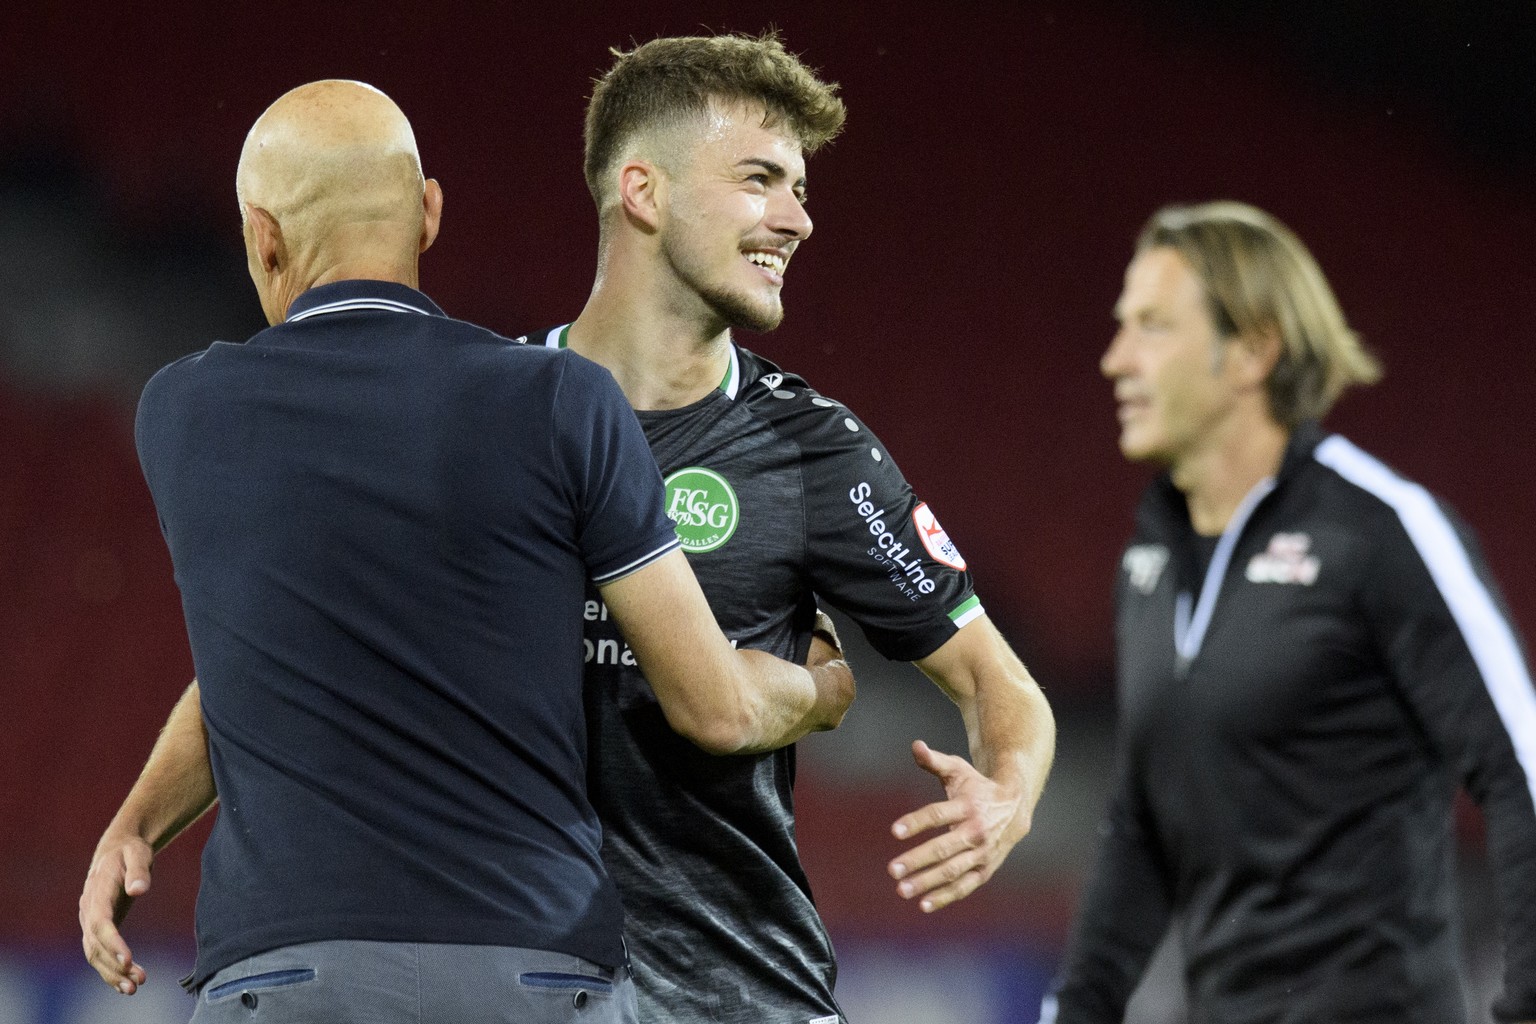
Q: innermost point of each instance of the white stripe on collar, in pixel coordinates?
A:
(348, 305)
(1191, 618)
(730, 383)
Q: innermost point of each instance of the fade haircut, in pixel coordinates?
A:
(1258, 276)
(663, 83)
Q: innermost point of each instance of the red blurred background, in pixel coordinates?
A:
(972, 226)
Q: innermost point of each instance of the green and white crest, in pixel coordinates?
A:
(703, 506)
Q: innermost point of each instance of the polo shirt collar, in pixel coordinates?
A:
(351, 296)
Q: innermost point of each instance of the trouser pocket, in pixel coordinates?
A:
(249, 991)
(579, 988)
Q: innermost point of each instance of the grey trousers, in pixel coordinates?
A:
(355, 982)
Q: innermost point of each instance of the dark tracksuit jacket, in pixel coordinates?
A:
(1296, 716)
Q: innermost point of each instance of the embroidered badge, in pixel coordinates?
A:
(1286, 560)
(1144, 563)
(703, 507)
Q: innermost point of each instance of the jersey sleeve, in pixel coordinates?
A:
(1441, 625)
(875, 551)
(614, 480)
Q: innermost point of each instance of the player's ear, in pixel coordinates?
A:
(642, 193)
(264, 240)
(432, 214)
(1258, 352)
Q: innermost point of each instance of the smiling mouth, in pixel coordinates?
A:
(1129, 408)
(768, 261)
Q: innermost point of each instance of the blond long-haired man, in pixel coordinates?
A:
(1312, 657)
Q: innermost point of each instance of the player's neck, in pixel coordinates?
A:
(662, 358)
(1216, 477)
(367, 270)
(308, 272)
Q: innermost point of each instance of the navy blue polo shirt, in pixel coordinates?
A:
(382, 521)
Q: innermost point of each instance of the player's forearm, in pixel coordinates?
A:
(1011, 729)
(726, 701)
(176, 786)
(1009, 724)
(782, 702)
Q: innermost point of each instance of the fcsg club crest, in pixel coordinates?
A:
(703, 508)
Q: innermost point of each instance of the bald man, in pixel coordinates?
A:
(381, 522)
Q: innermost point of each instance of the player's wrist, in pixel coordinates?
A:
(835, 690)
(825, 630)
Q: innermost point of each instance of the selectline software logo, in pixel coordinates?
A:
(703, 506)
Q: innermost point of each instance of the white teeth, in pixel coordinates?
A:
(772, 261)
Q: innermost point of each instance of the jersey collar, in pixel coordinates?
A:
(730, 383)
(351, 296)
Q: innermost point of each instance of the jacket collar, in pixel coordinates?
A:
(1298, 452)
(1304, 439)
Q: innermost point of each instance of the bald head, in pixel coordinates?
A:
(334, 164)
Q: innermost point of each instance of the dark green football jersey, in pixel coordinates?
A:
(780, 497)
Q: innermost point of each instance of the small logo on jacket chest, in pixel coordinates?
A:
(1286, 560)
(1144, 563)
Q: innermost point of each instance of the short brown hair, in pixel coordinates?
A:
(1259, 276)
(672, 78)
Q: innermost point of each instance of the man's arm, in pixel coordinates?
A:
(174, 790)
(990, 802)
(725, 700)
(1124, 912)
(1441, 623)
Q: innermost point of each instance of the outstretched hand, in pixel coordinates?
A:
(119, 874)
(983, 820)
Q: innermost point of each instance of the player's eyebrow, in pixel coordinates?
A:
(773, 167)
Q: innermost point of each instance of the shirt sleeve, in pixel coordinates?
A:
(1123, 914)
(618, 490)
(152, 436)
(877, 552)
(145, 432)
(1442, 627)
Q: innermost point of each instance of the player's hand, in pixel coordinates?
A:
(982, 821)
(835, 686)
(119, 874)
(825, 646)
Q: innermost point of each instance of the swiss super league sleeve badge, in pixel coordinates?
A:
(935, 540)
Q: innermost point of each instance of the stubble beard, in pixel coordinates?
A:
(734, 308)
(739, 311)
